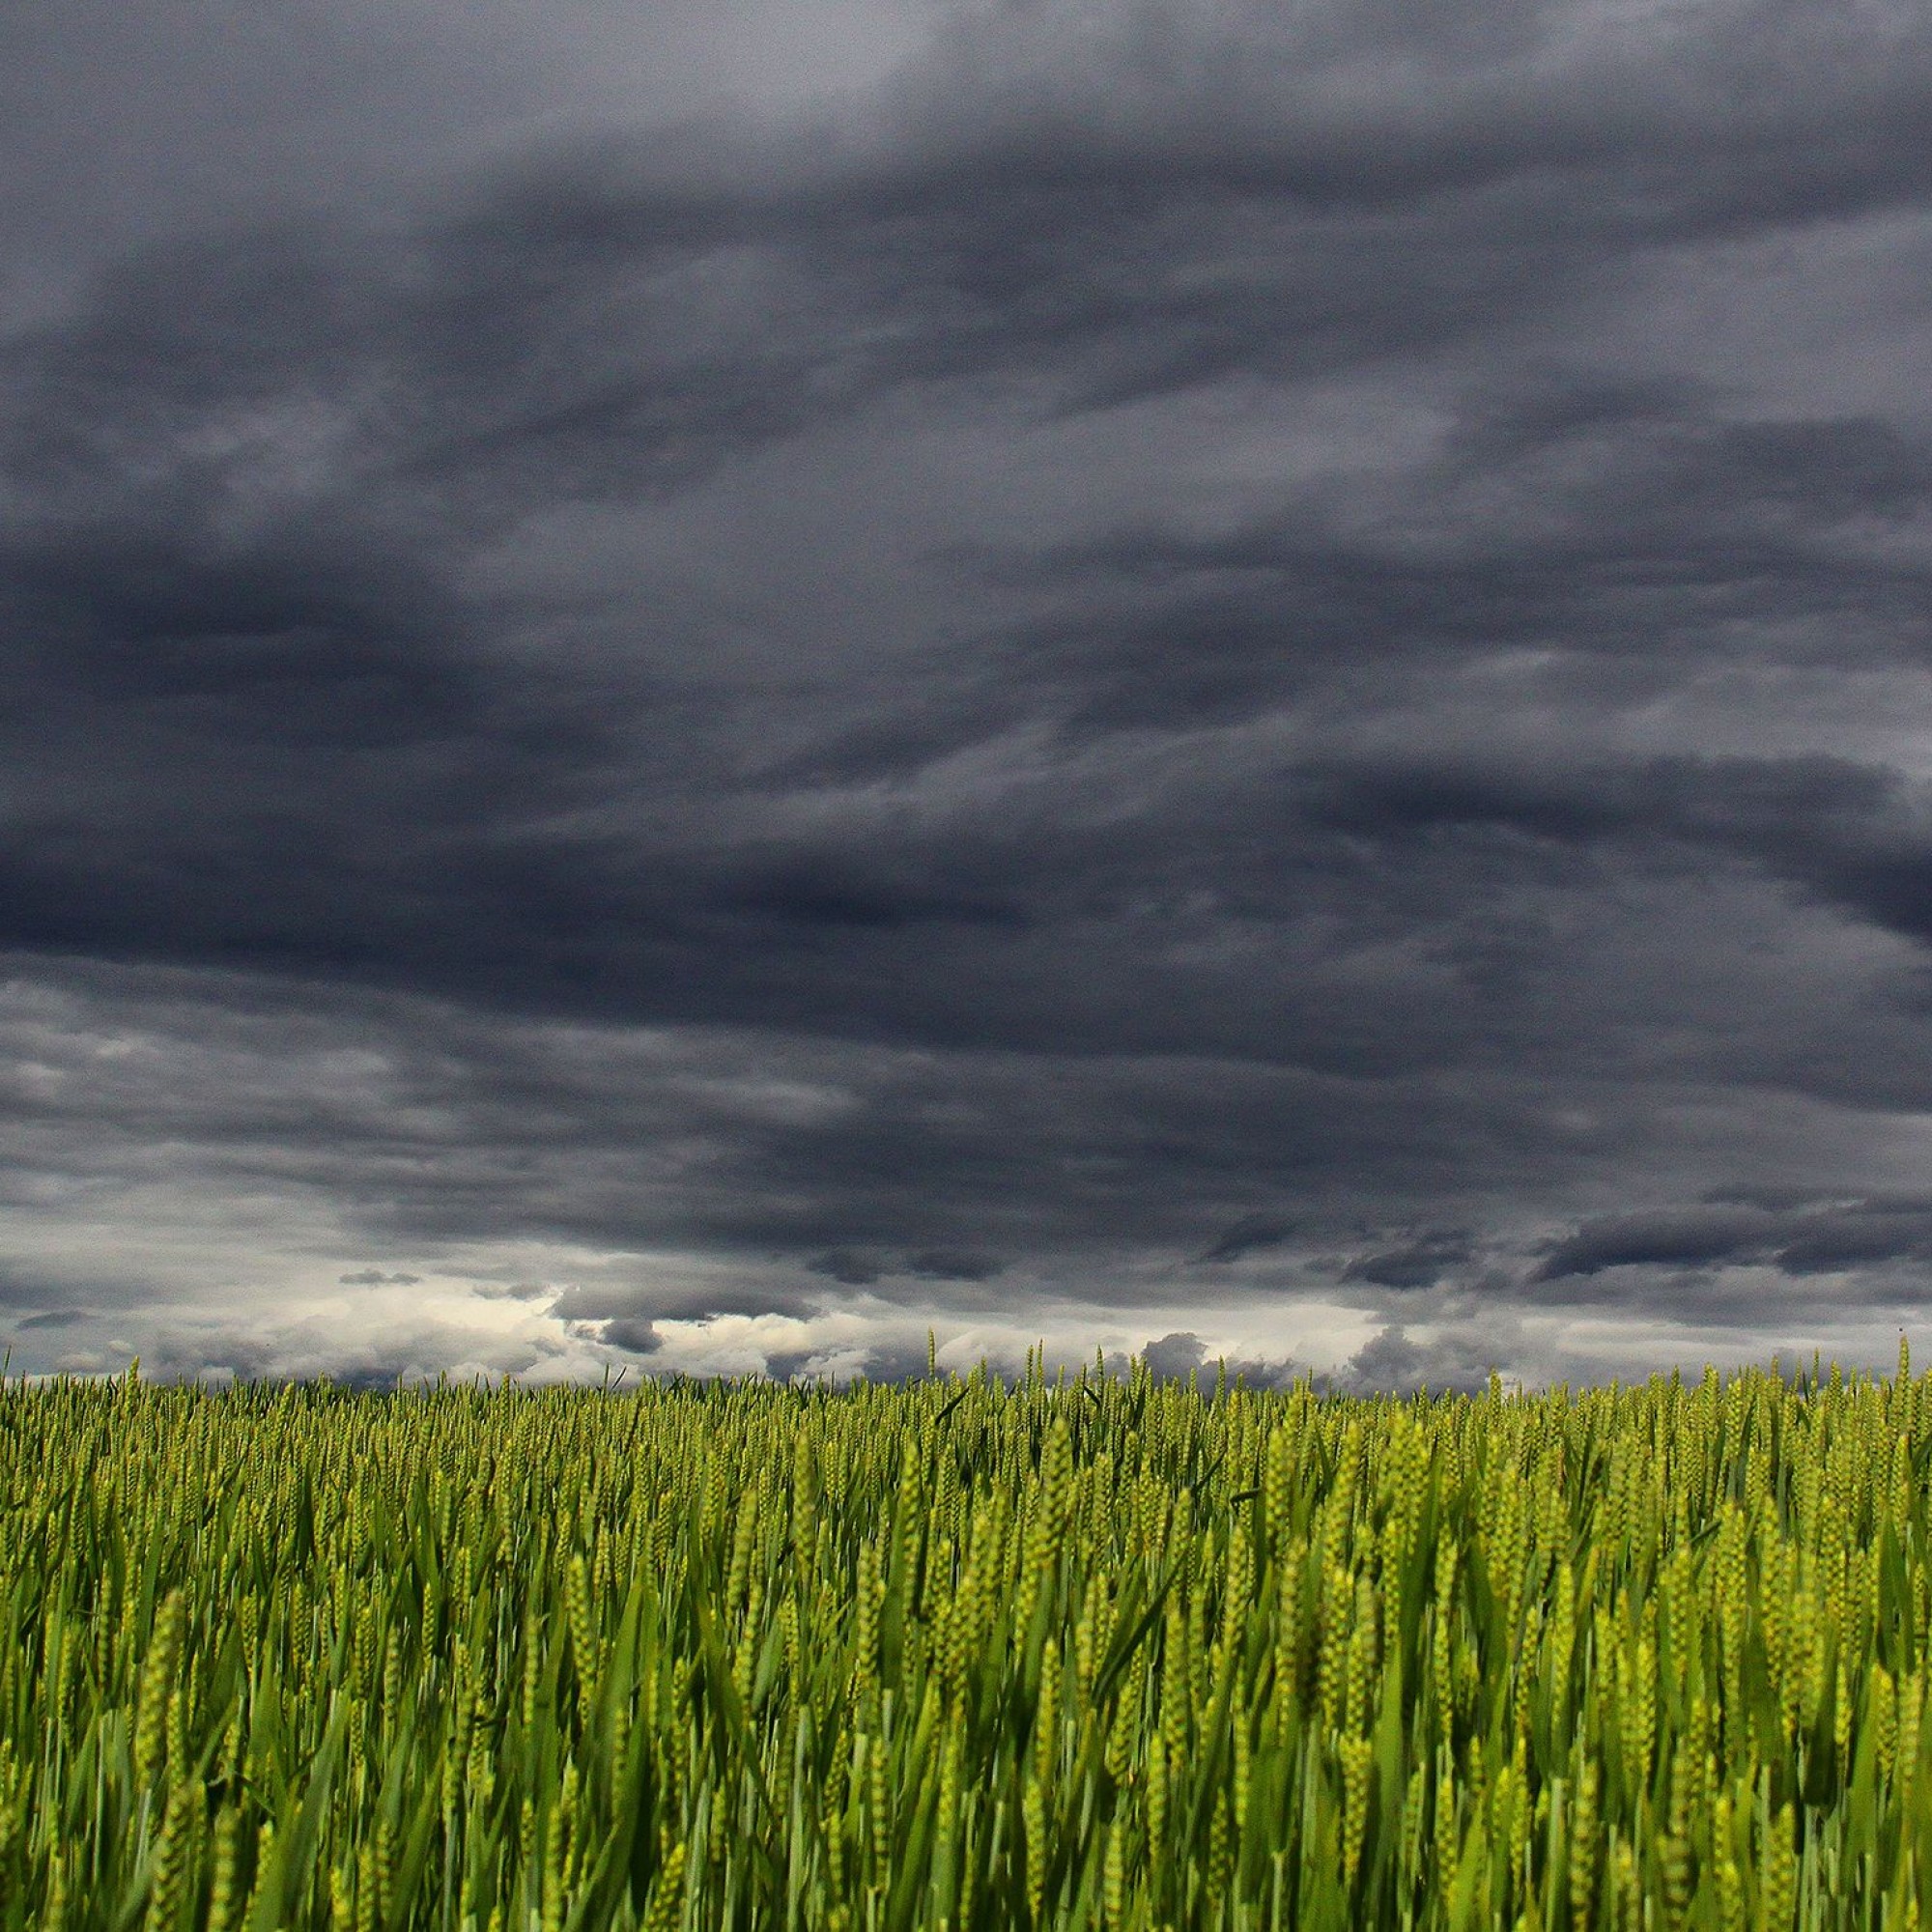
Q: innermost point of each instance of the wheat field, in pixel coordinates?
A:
(1079, 1651)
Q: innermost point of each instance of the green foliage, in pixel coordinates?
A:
(1097, 1653)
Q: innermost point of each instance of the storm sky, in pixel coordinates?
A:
(692, 689)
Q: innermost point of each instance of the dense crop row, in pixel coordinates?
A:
(1100, 1653)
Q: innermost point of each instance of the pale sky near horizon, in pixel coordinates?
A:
(692, 690)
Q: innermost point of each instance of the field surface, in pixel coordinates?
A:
(1095, 1653)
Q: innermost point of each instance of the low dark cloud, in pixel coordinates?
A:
(858, 1267)
(781, 1365)
(1812, 1240)
(1684, 1239)
(1416, 1263)
(1248, 671)
(1251, 1233)
(1393, 1362)
(850, 1269)
(953, 1264)
(896, 1361)
(1178, 1356)
(1174, 1358)
(633, 1337)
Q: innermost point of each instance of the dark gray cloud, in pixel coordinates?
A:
(1421, 1263)
(516, 1290)
(1174, 1358)
(953, 1264)
(1167, 666)
(847, 1267)
(633, 1337)
(1827, 1237)
(1251, 1235)
(1392, 1362)
(1182, 1355)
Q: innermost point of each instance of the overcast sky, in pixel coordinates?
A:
(694, 688)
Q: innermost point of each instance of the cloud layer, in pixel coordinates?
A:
(1142, 675)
